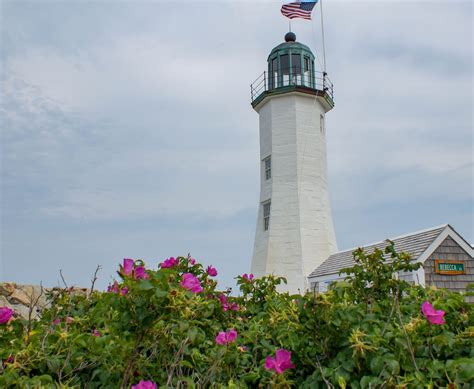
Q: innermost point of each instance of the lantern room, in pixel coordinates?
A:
(291, 67)
(291, 63)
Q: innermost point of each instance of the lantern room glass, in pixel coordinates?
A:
(290, 67)
(307, 72)
(285, 69)
(274, 73)
(296, 69)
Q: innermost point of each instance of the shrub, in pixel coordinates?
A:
(173, 328)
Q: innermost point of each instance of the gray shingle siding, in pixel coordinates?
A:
(449, 249)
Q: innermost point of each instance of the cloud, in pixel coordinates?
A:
(86, 178)
(128, 131)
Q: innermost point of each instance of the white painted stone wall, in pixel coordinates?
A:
(301, 233)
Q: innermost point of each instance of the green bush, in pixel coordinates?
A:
(172, 327)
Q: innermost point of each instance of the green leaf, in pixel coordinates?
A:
(376, 365)
(348, 365)
(337, 322)
(159, 293)
(190, 384)
(341, 381)
(53, 364)
(369, 382)
(145, 285)
(196, 335)
(45, 379)
(393, 366)
(466, 370)
(187, 364)
(251, 377)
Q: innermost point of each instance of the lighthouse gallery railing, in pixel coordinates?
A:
(291, 77)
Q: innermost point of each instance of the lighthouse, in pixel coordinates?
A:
(294, 232)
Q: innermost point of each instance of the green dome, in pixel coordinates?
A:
(291, 47)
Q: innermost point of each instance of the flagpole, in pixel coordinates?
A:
(322, 36)
(289, 25)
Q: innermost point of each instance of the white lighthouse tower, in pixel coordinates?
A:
(295, 232)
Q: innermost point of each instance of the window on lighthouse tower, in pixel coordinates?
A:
(266, 215)
(268, 167)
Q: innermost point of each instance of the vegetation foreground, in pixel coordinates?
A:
(171, 328)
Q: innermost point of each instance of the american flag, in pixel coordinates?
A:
(298, 9)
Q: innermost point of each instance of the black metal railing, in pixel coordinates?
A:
(318, 81)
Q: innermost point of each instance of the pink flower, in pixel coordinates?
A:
(231, 336)
(130, 269)
(113, 288)
(223, 300)
(192, 261)
(212, 271)
(128, 265)
(145, 385)
(191, 283)
(226, 337)
(280, 363)
(5, 314)
(140, 273)
(248, 277)
(170, 262)
(225, 304)
(433, 316)
(69, 320)
(96, 333)
(57, 321)
(10, 359)
(221, 338)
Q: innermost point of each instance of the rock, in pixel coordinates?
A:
(7, 288)
(80, 291)
(27, 289)
(23, 311)
(35, 292)
(4, 302)
(20, 297)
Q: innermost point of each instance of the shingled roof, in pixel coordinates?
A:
(415, 244)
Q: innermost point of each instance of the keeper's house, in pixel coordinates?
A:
(446, 257)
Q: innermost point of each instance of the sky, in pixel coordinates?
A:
(127, 130)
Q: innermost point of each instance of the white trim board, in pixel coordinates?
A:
(448, 231)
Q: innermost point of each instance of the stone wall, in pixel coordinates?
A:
(450, 250)
(26, 299)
